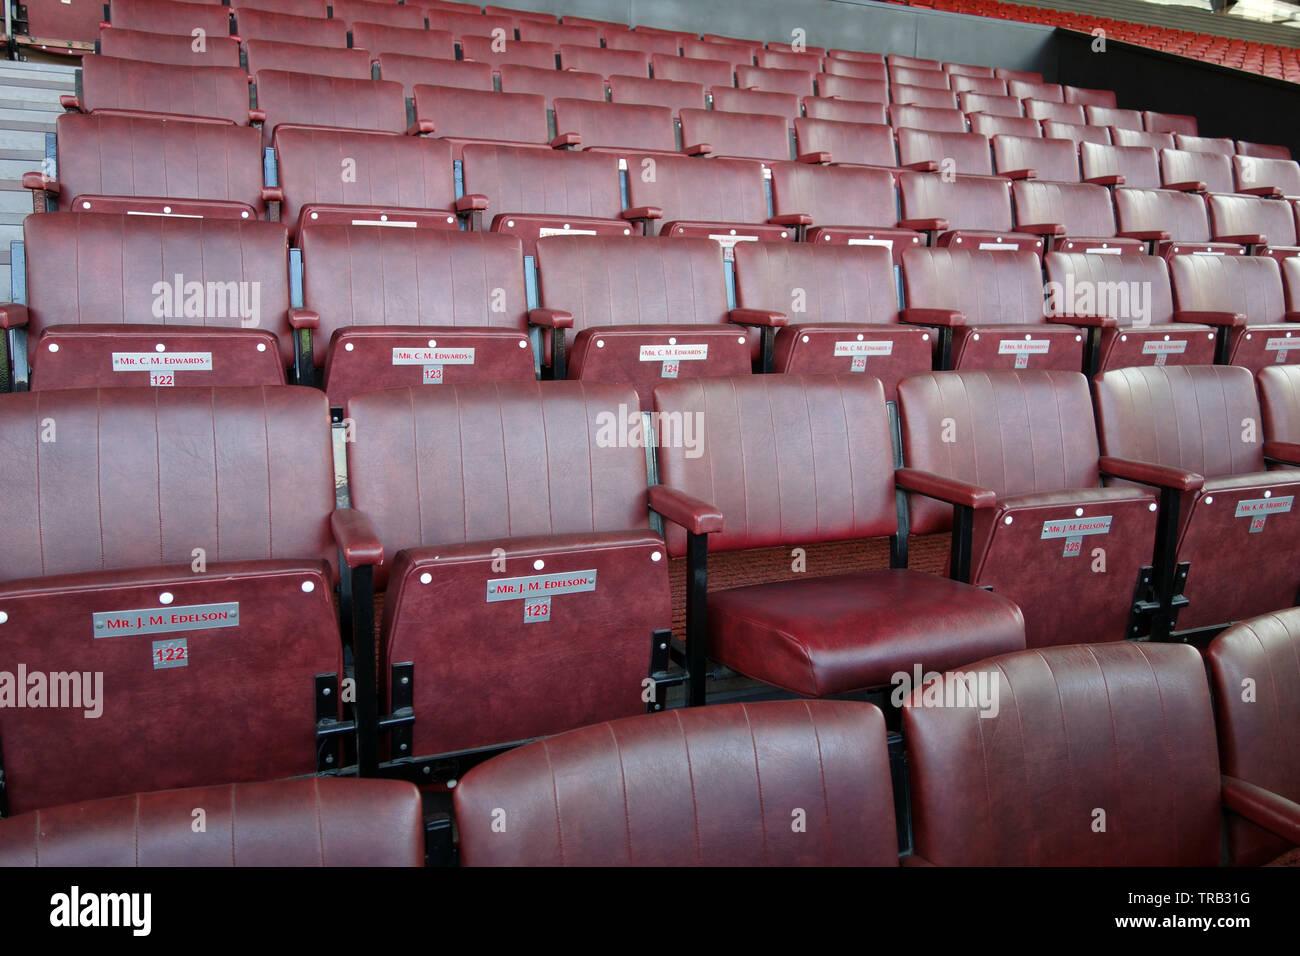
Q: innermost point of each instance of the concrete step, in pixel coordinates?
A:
(37, 72)
(26, 140)
(8, 233)
(27, 119)
(30, 98)
(6, 281)
(11, 171)
(19, 200)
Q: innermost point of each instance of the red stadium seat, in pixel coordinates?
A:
(1195, 172)
(1267, 227)
(852, 205)
(1243, 297)
(304, 58)
(168, 49)
(1173, 222)
(300, 99)
(413, 71)
(949, 153)
(266, 25)
(1071, 217)
(517, 52)
(1154, 122)
(169, 16)
(113, 85)
(962, 211)
(832, 141)
(552, 84)
(381, 38)
(1019, 157)
(1134, 166)
(735, 135)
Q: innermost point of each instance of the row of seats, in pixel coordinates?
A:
(184, 545)
(808, 782)
(222, 302)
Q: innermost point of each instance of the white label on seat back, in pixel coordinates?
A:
(863, 348)
(997, 246)
(728, 244)
(1209, 252)
(1258, 510)
(1073, 530)
(164, 215)
(171, 653)
(1107, 251)
(162, 361)
(409, 356)
(399, 223)
(1162, 350)
(1281, 346)
(886, 243)
(681, 353)
(155, 620)
(1023, 348)
(540, 586)
(545, 231)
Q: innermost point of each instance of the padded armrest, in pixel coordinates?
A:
(1287, 452)
(257, 116)
(1191, 186)
(1087, 321)
(551, 318)
(952, 490)
(1020, 174)
(13, 315)
(1149, 473)
(699, 149)
(565, 140)
(1268, 192)
(948, 318)
(1264, 808)
(1042, 228)
(70, 103)
(356, 538)
(1231, 319)
(304, 319)
(923, 166)
(1114, 179)
(792, 219)
(272, 194)
(760, 317)
(696, 516)
(1148, 235)
(420, 128)
(1245, 239)
(819, 158)
(924, 225)
(35, 181)
(642, 212)
(471, 202)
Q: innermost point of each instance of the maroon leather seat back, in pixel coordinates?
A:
(923, 95)
(1101, 115)
(550, 83)
(541, 181)
(604, 62)
(1279, 398)
(993, 104)
(1253, 172)
(300, 99)
(306, 58)
(1205, 144)
(727, 100)
(252, 483)
(968, 152)
(993, 126)
(858, 143)
(752, 135)
(734, 53)
(835, 195)
(1250, 216)
(1182, 215)
(476, 114)
(1183, 166)
(1139, 165)
(367, 11)
(380, 38)
(464, 463)
(107, 269)
(1098, 755)
(774, 80)
(1189, 417)
(412, 71)
(385, 170)
(785, 458)
(1014, 432)
(109, 83)
(1053, 160)
(781, 58)
(1068, 273)
(168, 48)
(867, 89)
(707, 72)
(317, 821)
(616, 124)
(376, 276)
(548, 31)
(467, 23)
(253, 24)
(990, 288)
(1055, 111)
(1155, 122)
(101, 154)
(1083, 208)
(844, 111)
(1087, 97)
(721, 190)
(966, 202)
(633, 281)
(1078, 132)
(848, 69)
(936, 119)
(716, 786)
(1255, 676)
(809, 283)
(1030, 90)
(166, 16)
(674, 94)
(1247, 284)
(983, 85)
(1130, 137)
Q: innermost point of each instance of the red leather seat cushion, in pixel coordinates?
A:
(845, 632)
